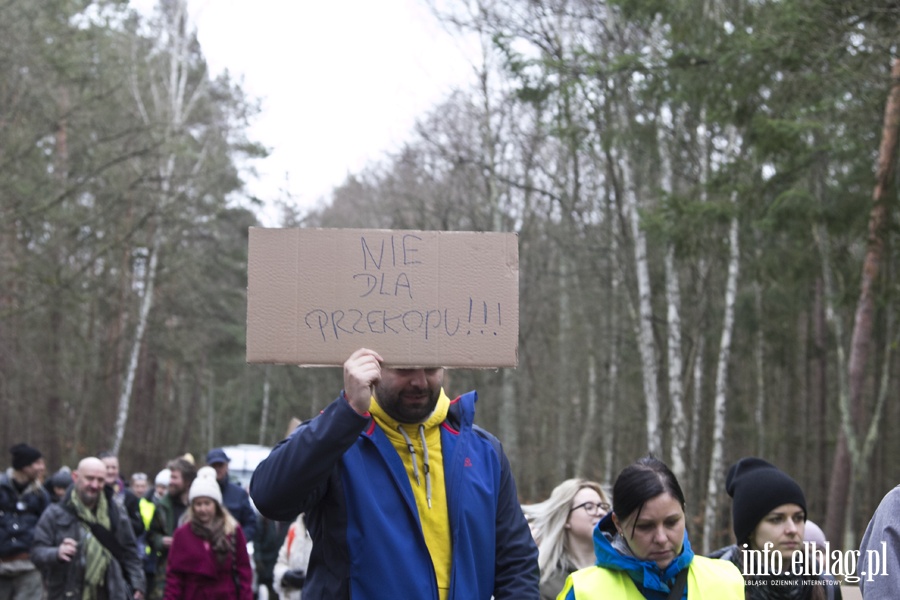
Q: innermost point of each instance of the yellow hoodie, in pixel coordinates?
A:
(425, 468)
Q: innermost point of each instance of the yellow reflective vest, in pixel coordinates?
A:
(147, 509)
(708, 579)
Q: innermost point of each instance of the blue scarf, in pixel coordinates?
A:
(613, 553)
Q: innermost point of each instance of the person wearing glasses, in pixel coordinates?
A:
(563, 528)
(642, 547)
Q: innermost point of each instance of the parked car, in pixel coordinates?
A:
(244, 460)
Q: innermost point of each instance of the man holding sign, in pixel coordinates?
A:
(405, 497)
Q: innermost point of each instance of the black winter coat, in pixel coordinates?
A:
(19, 514)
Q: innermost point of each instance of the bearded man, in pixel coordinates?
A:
(405, 497)
(85, 544)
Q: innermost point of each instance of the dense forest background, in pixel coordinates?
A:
(703, 193)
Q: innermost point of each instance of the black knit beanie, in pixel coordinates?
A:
(757, 487)
(23, 455)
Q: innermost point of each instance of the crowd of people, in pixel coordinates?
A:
(86, 533)
(392, 491)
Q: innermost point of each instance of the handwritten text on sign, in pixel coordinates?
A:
(418, 297)
(386, 268)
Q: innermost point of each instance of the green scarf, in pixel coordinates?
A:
(96, 555)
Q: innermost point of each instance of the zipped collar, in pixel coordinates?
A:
(392, 428)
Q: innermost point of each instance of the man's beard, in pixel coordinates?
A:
(88, 497)
(392, 403)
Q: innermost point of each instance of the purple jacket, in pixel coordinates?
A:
(194, 573)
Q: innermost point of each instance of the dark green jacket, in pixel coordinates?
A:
(163, 524)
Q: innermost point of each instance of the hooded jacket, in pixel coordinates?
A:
(293, 556)
(343, 472)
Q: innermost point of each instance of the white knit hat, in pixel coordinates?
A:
(162, 478)
(206, 486)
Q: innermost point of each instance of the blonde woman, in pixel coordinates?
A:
(563, 527)
(208, 557)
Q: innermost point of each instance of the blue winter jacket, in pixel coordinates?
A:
(344, 473)
(236, 500)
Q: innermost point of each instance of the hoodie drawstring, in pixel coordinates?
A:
(425, 466)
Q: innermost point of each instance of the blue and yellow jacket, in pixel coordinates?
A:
(343, 472)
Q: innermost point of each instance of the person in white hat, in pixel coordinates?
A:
(208, 557)
(161, 483)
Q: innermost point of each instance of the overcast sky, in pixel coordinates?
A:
(341, 82)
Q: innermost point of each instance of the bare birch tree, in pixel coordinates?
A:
(644, 318)
(678, 424)
(174, 94)
(699, 350)
(721, 398)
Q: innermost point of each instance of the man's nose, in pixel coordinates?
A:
(417, 377)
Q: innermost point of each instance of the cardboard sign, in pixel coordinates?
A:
(418, 298)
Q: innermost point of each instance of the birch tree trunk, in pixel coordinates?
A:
(718, 437)
(697, 411)
(172, 106)
(143, 315)
(612, 374)
(678, 425)
(699, 353)
(678, 429)
(644, 325)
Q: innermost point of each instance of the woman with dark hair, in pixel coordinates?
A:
(642, 547)
(769, 520)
